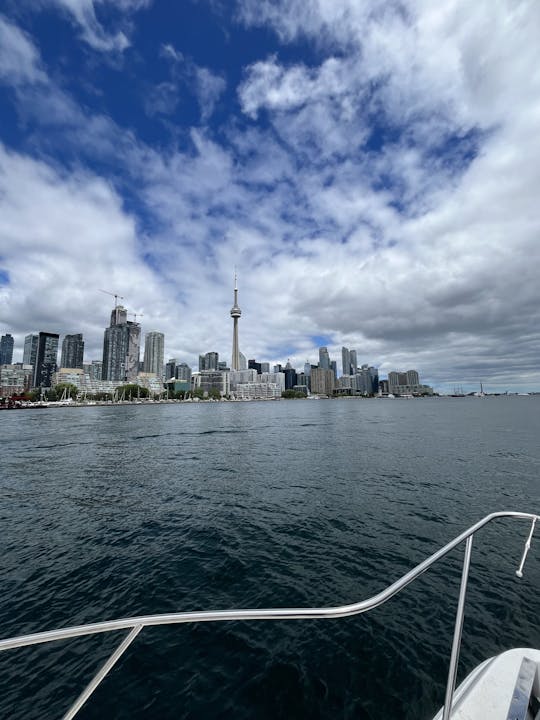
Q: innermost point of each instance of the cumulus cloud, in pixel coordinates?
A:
(388, 201)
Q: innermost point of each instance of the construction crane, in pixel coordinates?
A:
(135, 316)
(114, 295)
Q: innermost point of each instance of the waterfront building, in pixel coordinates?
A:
(154, 353)
(30, 350)
(72, 351)
(238, 377)
(6, 349)
(407, 383)
(277, 378)
(46, 359)
(354, 362)
(15, 379)
(324, 358)
(257, 391)
(235, 314)
(121, 347)
(209, 361)
(322, 381)
(212, 379)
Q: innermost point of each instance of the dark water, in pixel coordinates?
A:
(109, 512)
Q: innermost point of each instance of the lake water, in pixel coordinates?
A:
(114, 511)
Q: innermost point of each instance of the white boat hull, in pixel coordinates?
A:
(489, 689)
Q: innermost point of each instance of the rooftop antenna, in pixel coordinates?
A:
(114, 295)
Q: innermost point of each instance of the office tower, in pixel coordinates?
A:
(243, 361)
(121, 348)
(324, 358)
(6, 349)
(254, 365)
(30, 350)
(46, 359)
(265, 367)
(183, 372)
(154, 353)
(290, 376)
(354, 362)
(209, 361)
(333, 368)
(235, 314)
(170, 369)
(72, 351)
(412, 377)
(345, 361)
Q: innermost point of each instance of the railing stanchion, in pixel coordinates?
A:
(458, 627)
(98, 677)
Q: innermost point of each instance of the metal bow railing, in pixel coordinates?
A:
(136, 624)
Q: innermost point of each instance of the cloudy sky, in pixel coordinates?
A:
(371, 167)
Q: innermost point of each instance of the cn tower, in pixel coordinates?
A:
(235, 314)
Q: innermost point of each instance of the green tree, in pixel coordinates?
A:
(132, 391)
(214, 394)
(292, 394)
(71, 390)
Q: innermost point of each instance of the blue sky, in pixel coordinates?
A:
(371, 169)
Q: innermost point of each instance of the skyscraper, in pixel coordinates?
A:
(121, 347)
(345, 361)
(324, 358)
(235, 314)
(46, 359)
(30, 349)
(154, 353)
(6, 349)
(209, 361)
(72, 351)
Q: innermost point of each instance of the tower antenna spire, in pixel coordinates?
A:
(235, 314)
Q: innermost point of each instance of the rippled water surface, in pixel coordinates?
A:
(109, 512)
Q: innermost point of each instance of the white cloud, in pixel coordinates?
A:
(19, 59)
(406, 252)
(83, 13)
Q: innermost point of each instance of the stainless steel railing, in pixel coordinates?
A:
(136, 624)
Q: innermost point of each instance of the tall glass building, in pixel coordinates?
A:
(6, 349)
(72, 351)
(46, 359)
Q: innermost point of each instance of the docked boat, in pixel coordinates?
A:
(505, 687)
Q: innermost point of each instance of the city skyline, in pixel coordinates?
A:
(372, 175)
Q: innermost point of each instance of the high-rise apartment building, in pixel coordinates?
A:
(6, 349)
(209, 361)
(72, 351)
(46, 359)
(322, 381)
(324, 358)
(154, 353)
(345, 361)
(121, 347)
(354, 362)
(170, 369)
(30, 350)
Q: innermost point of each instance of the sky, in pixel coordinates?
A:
(371, 168)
